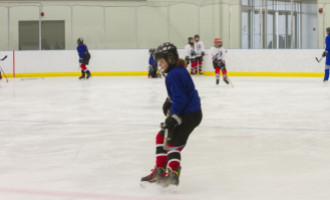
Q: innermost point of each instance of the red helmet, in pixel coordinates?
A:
(217, 40)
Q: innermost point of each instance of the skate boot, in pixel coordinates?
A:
(156, 174)
(0, 76)
(171, 178)
(88, 74)
(225, 79)
(217, 81)
(82, 75)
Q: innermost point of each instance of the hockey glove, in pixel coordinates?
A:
(325, 53)
(203, 53)
(81, 60)
(167, 107)
(193, 53)
(222, 63)
(171, 122)
(215, 62)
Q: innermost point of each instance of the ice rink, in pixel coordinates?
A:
(267, 138)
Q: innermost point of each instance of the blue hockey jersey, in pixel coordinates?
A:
(181, 90)
(82, 49)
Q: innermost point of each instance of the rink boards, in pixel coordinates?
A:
(134, 62)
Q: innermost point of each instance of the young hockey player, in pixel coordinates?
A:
(200, 51)
(190, 55)
(84, 57)
(152, 65)
(325, 54)
(218, 54)
(184, 114)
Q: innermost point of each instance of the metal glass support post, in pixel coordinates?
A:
(292, 32)
(261, 28)
(104, 25)
(136, 27)
(199, 20)
(71, 27)
(40, 10)
(8, 28)
(276, 26)
(230, 13)
(168, 23)
(265, 19)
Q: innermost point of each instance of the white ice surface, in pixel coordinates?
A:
(64, 139)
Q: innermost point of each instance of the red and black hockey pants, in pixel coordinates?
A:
(179, 137)
(220, 66)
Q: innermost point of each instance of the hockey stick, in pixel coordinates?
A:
(4, 58)
(318, 59)
(163, 127)
(4, 74)
(165, 139)
(231, 84)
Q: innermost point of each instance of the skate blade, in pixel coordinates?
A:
(169, 189)
(146, 184)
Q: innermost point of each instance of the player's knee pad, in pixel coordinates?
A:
(160, 137)
(83, 67)
(160, 143)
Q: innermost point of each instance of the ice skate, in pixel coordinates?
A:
(217, 81)
(82, 75)
(225, 79)
(88, 74)
(171, 178)
(156, 174)
(0, 76)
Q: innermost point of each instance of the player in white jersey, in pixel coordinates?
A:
(190, 55)
(218, 55)
(200, 51)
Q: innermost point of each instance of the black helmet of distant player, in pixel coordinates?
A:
(151, 51)
(80, 40)
(169, 53)
(196, 38)
(190, 40)
(328, 31)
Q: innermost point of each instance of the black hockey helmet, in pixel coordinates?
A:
(328, 30)
(80, 40)
(168, 52)
(190, 38)
(196, 36)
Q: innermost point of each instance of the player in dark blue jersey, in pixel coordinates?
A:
(153, 67)
(327, 55)
(184, 114)
(84, 58)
